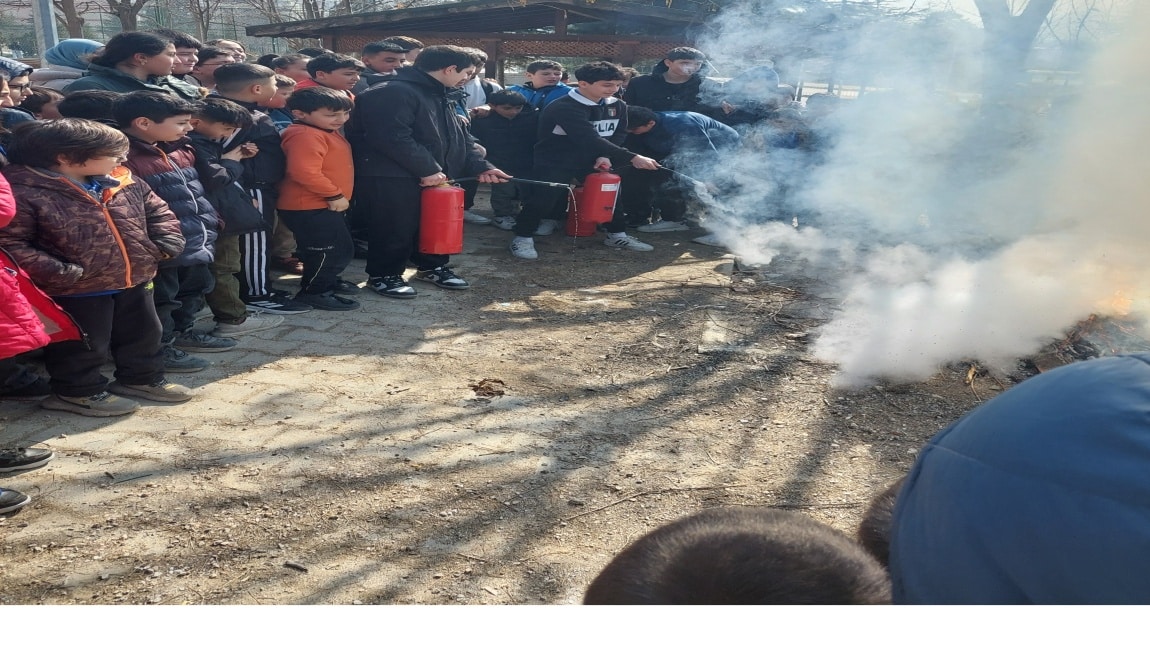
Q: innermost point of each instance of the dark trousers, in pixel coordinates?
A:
(649, 191)
(253, 274)
(179, 294)
(394, 205)
(505, 199)
(545, 202)
(323, 244)
(470, 188)
(123, 323)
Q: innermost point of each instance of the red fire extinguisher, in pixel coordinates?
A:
(577, 226)
(441, 220)
(594, 203)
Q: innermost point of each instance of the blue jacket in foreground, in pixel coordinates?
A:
(688, 131)
(1041, 495)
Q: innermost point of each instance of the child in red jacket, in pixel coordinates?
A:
(91, 235)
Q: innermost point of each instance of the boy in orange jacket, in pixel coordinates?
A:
(315, 193)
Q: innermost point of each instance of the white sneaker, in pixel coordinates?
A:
(546, 227)
(662, 226)
(475, 218)
(627, 242)
(505, 222)
(524, 248)
(711, 240)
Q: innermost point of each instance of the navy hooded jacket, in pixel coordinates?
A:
(1041, 495)
(688, 132)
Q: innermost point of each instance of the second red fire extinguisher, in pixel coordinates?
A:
(594, 203)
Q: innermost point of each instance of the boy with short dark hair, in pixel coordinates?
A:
(277, 106)
(253, 86)
(380, 59)
(405, 136)
(217, 120)
(315, 194)
(411, 47)
(209, 60)
(160, 154)
(94, 105)
(335, 71)
(578, 134)
(675, 138)
(91, 237)
(508, 135)
(676, 83)
(543, 84)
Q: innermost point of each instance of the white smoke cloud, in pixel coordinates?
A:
(939, 250)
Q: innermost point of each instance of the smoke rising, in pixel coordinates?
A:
(945, 236)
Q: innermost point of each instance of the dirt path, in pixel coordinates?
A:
(348, 458)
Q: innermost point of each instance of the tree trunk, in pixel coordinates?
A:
(69, 18)
(1007, 45)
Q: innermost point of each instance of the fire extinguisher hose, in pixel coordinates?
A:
(523, 181)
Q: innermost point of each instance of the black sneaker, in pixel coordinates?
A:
(329, 302)
(29, 386)
(275, 304)
(346, 288)
(24, 459)
(391, 286)
(442, 277)
(11, 500)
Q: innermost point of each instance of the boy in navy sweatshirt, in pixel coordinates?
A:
(578, 134)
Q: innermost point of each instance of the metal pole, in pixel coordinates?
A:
(44, 22)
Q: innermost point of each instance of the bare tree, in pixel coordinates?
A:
(69, 13)
(126, 11)
(1011, 27)
(1075, 24)
(203, 14)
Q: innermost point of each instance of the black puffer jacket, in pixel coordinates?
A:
(407, 127)
(698, 94)
(266, 170)
(170, 170)
(221, 179)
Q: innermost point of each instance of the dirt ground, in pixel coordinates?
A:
(493, 446)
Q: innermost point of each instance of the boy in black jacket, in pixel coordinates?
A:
(251, 86)
(218, 119)
(405, 135)
(579, 133)
(508, 134)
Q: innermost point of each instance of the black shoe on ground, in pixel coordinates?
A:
(329, 302)
(11, 500)
(24, 459)
(442, 277)
(29, 386)
(391, 286)
(275, 304)
(346, 288)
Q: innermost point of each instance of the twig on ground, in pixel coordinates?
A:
(648, 493)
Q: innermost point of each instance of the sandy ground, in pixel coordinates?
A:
(493, 446)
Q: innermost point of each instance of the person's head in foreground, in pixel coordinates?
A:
(739, 556)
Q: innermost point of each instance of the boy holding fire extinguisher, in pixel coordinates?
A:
(578, 134)
(405, 136)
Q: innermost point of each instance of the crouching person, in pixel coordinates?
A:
(91, 236)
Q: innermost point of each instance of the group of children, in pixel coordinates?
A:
(199, 172)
